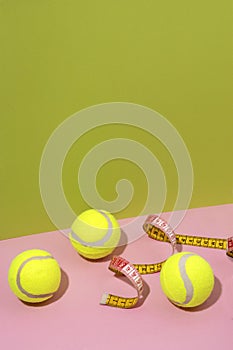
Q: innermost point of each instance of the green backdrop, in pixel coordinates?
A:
(58, 57)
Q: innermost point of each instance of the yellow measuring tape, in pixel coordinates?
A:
(157, 234)
(121, 266)
(159, 230)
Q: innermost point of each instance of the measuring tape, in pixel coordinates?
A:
(157, 229)
(121, 266)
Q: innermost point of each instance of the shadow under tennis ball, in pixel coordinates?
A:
(213, 298)
(57, 295)
(120, 248)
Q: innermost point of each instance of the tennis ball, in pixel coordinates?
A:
(34, 275)
(95, 234)
(187, 279)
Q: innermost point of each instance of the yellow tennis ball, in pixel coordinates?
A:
(95, 234)
(187, 279)
(34, 275)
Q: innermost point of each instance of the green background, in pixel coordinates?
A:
(58, 57)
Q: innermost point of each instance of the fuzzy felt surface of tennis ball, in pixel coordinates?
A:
(34, 275)
(95, 234)
(187, 279)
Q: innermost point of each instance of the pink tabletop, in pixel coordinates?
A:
(74, 319)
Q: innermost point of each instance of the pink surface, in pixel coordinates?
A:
(75, 320)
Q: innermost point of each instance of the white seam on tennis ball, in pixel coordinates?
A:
(100, 242)
(187, 282)
(18, 282)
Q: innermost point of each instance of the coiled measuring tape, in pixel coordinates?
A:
(121, 266)
(157, 229)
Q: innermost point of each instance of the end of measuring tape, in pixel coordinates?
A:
(230, 247)
(120, 265)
